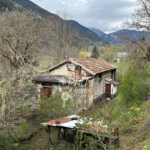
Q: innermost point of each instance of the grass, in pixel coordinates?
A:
(128, 137)
(130, 131)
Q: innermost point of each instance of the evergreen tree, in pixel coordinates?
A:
(143, 38)
(95, 53)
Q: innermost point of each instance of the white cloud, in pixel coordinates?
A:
(102, 14)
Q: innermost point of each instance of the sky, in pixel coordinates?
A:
(106, 15)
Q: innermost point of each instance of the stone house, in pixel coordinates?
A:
(96, 78)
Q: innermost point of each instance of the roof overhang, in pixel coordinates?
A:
(112, 82)
(51, 79)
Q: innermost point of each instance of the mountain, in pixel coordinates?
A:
(98, 32)
(118, 36)
(89, 36)
(6, 5)
(85, 32)
(29, 5)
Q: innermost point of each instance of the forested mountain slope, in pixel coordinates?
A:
(6, 5)
(87, 35)
(118, 36)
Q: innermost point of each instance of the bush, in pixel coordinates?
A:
(56, 107)
(134, 88)
(7, 142)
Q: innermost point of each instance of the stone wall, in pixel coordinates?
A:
(99, 86)
(62, 70)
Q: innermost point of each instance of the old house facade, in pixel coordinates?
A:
(95, 78)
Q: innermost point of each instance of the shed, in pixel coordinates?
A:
(69, 127)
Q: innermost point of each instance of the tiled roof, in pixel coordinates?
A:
(95, 65)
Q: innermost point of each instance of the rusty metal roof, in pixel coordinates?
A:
(70, 123)
(63, 122)
(58, 121)
(95, 65)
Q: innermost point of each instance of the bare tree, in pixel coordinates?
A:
(61, 38)
(140, 20)
(17, 92)
(19, 35)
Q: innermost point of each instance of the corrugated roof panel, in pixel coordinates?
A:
(58, 121)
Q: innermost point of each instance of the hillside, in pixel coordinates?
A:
(116, 37)
(98, 32)
(6, 5)
(86, 34)
(29, 5)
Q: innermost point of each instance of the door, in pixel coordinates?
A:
(46, 92)
(108, 90)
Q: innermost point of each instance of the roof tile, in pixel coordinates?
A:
(95, 65)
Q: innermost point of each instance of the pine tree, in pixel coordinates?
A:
(143, 38)
(95, 53)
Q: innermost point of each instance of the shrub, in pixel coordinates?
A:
(7, 141)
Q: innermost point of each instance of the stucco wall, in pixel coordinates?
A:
(113, 89)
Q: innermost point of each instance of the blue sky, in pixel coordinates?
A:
(105, 15)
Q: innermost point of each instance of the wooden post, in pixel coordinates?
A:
(59, 133)
(48, 138)
(75, 140)
(117, 139)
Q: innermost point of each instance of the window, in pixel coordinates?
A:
(100, 75)
(112, 74)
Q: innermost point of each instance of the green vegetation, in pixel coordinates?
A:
(121, 71)
(6, 5)
(135, 85)
(95, 53)
(109, 52)
(84, 53)
(20, 111)
(60, 104)
(7, 141)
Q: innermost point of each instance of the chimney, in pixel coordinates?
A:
(77, 72)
